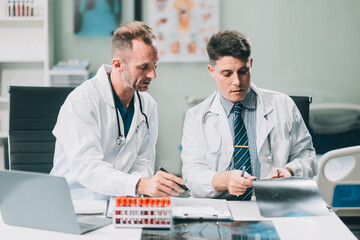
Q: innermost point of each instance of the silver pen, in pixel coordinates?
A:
(243, 171)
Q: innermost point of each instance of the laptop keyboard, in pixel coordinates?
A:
(87, 223)
(86, 226)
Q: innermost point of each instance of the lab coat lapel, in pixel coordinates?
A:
(105, 89)
(221, 127)
(263, 126)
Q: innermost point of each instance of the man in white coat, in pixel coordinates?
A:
(107, 128)
(277, 142)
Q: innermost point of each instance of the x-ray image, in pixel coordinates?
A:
(289, 197)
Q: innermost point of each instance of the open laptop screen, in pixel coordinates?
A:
(40, 201)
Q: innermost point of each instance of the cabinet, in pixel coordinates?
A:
(25, 50)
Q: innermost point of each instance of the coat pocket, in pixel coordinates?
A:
(212, 137)
(280, 152)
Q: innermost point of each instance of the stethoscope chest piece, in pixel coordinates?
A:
(120, 140)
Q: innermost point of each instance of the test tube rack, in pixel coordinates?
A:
(138, 212)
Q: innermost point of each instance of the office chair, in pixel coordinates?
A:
(342, 193)
(32, 116)
(303, 104)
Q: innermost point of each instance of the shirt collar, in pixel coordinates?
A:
(226, 105)
(249, 102)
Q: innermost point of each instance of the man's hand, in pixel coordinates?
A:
(162, 184)
(232, 182)
(281, 173)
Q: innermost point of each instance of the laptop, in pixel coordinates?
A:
(37, 200)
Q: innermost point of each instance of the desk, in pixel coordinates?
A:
(321, 227)
(326, 227)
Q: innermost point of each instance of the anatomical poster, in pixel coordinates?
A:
(183, 28)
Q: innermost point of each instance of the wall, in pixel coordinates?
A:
(300, 47)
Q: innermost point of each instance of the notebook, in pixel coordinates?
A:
(37, 200)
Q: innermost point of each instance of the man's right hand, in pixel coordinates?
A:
(232, 182)
(162, 184)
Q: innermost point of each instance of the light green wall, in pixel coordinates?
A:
(300, 47)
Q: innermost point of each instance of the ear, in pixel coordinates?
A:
(251, 62)
(211, 70)
(117, 64)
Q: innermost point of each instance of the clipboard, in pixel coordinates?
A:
(200, 208)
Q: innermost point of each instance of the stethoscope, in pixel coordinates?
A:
(120, 140)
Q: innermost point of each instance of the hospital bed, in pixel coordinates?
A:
(335, 129)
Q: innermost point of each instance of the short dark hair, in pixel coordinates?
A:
(228, 43)
(121, 40)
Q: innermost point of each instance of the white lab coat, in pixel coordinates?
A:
(207, 144)
(86, 152)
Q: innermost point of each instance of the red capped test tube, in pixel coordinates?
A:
(133, 212)
(146, 212)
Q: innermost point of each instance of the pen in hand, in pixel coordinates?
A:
(182, 186)
(243, 171)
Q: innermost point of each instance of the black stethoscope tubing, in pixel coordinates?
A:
(121, 139)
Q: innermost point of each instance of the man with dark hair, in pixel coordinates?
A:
(241, 133)
(107, 128)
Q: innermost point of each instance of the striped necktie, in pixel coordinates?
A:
(241, 148)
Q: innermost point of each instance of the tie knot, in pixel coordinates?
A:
(238, 108)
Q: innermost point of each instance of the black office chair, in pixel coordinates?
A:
(303, 104)
(33, 114)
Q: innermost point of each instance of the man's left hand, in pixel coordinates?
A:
(280, 173)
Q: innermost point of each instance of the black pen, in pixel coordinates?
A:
(182, 186)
